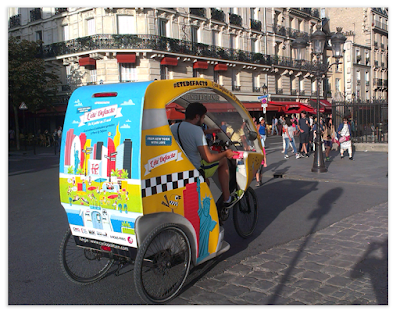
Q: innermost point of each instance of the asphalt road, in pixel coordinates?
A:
(287, 208)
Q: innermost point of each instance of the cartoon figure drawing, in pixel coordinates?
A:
(206, 224)
(77, 161)
(172, 202)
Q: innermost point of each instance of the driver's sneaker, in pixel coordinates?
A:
(233, 198)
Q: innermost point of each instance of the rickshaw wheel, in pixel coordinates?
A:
(162, 264)
(82, 266)
(245, 214)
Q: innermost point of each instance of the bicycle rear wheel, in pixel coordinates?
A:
(162, 264)
(245, 214)
(83, 265)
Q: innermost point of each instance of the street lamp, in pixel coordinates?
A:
(319, 69)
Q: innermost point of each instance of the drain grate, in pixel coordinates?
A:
(278, 175)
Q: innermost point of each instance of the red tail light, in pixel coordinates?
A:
(105, 248)
(110, 94)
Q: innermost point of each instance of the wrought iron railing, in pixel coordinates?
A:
(235, 19)
(255, 25)
(36, 14)
(368, 119)
(198, 11)
(165, 44)
(15, 21)
(217, 15)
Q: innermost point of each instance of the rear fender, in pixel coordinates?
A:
(145, 224)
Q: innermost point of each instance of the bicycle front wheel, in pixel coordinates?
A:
(83, 265)
(245, 214)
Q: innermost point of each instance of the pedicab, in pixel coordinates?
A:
(130, 193)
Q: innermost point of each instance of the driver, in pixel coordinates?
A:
(190, 136)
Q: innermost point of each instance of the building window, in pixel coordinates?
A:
(254, 45)
(38, 36)
(92, 74)
(235, 81)
(163, 72)
(196, 72)
(232, 41)
(126, 24)
(337, 85)
(91, 29)
(127, 72)
(65, 32)
(163, 27)
(215, 38)
(194, 34)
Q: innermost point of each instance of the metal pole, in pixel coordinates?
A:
(319, 164)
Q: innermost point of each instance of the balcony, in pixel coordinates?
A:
(256, 89)
(279, 91)
(163, 44)
(198, 12)
(36, 14)
(255, 25)
(302, 92)
(15, 21)
(279, 29)
(60, 10)
(293, 33)
(235, 19)
(217, 15)
(293, 92)
(358, 59)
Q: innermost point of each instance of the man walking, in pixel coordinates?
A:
(274, 123)
(304, 128)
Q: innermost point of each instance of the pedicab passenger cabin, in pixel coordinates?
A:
(122, 173)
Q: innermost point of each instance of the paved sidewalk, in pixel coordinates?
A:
(346, 263)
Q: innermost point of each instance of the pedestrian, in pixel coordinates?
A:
(288, 135)
(304, 127)
(344, 135)
(327, 135)
(47, 137)
(274, 125)
(262, 131)
(259, 171)
(280, 121)
(11, 134)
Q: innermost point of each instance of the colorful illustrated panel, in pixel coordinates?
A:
(100, 186)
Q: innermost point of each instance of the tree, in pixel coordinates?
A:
(28, 79)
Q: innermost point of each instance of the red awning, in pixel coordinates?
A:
(200, 65)
(169, 61)
(126, 58)
(323, 103)
(220, 67)
(87, 61)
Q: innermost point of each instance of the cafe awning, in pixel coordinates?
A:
(324, 104)
(87, 61)
(200, 65)
(220, 67)
(126, 58)
(169, 61)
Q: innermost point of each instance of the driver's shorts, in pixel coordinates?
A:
(208, 168)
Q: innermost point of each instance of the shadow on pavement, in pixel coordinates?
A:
(324, 203)
(374, 263)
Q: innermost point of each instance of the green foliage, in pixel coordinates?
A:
(29, 80)
(124, 174)
(70, 170)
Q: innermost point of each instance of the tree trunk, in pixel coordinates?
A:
(16, 127)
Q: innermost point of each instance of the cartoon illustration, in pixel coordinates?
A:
(173, 201)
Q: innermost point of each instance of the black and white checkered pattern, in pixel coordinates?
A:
(169, 182)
